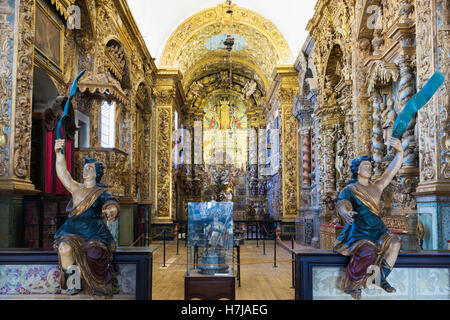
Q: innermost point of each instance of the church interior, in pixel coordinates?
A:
(193, 105)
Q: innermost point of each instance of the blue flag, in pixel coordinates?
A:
(419, 100)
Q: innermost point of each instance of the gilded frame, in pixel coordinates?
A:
(51, 20)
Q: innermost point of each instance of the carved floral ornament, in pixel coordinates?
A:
(264, 46)
(103, 83)
(6, 37)
(62, 6)
(381, 73)
(165, 96)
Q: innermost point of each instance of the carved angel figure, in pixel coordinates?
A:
(365, 237)
(84, 239)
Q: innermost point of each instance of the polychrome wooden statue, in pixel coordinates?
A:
(84, 239)
(365, 237)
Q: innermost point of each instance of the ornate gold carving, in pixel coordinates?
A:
(264, 46)
(6, 38)
(443, 42)
(62, 5)
(381, 73)
(22, 140)
(164, 163)
(427, 116)
(164, 97)
(101, 83)
(116, 168)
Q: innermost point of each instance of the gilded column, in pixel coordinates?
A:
(289, 130)
(16, 89)
(16, 86)
(433, 200)
(169, 95)
(7, 22)
(363, 125)
(146, 197)
(303, 110)
(377, 140)
(253, 161)
(406, 92)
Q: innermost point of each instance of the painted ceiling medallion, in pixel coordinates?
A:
(217, 42)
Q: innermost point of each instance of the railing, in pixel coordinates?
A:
(245, 230)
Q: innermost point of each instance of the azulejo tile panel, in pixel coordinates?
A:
(22, 279)
(411, 284)
(44, 279)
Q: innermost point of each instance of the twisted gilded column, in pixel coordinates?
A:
(406, 92)
(377, 140)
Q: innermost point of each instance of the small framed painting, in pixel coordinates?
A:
(48, 35)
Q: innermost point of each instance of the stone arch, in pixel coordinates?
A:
(263, 45)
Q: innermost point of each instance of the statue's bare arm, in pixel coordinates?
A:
(393, 167)
(61, 169)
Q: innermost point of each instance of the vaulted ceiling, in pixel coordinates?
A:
(195, 44)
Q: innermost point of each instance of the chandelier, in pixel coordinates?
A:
(229, 43)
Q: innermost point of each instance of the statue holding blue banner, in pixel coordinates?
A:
(372, 247)
(365, 237)
(84, 240)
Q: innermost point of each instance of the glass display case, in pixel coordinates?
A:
(210, 239)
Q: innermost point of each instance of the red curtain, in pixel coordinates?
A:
(52, 183)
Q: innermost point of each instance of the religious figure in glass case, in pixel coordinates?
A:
(210, 238)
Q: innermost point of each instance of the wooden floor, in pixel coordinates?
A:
(259, 279)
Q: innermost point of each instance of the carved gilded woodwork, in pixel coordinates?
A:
(113, 73)
(371, 79)
(24, 91)
(284, 89)
(443, 42)
(116, 170)
(164, 164)
(427, 116)
(62, 6)
(243, 18)
(6, 68)
(101, 83)
(169, 97)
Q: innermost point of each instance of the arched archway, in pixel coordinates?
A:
(44, 96)
(214, 78)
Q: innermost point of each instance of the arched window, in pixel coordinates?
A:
(108, 125)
